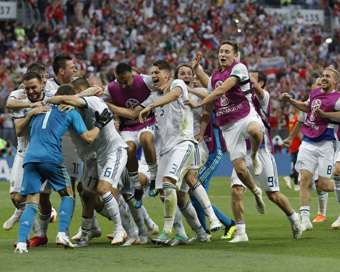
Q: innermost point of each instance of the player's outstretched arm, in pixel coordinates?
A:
(198, 93)
(201, 75)
(220, 91)
(125, 112)
(173, 95)
(296, 131)
(13, 103)
(22, 124)
(72, 100)
(302, 106)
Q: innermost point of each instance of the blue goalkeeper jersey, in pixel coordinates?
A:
(47, 131)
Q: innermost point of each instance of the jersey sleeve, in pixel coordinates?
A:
(106, 96)
(95, 103)
(181, 84)
(209, 89)
(153, 97)
(337, 105)
(148, 81)
(240, 71)
(77, 122)
(302, 117)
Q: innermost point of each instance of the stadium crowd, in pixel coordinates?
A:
(99, 34)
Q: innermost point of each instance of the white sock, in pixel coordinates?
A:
(137, 215)
(147, 219)
(112, 210)
(36, 228)
(293, 218)
(240, 227)
(44, 221)
(305, 213)
(153, 166)
(178, 223)
(86, 224)
(170, 206)
(322, 200)
(203, 198)
(104, 213)
(190, 215)
(127, 223)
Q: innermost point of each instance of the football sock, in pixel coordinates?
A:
(292, 218)
(153, 166)
(112, 208)
(137, 215)
(240, 227)
(322, 201)
(65, 213)
(26, 221)
(337, 188)
(147, 219)
(191, 217)
(305, 212)
(44, 221)
(170, 206)
(203, 198)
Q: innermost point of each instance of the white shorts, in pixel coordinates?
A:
(89, 178)
(316, 157)
(235, 134)
(71, 158)
(111, 168)
(134, 136)
(17, 173)
(268, 179)
(175, 163)
(200, 156)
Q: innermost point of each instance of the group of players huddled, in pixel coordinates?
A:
(157, 135)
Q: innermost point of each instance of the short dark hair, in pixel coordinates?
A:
(80, 82)
(123, 68)
(30, 75)
(183, 65)
(65, 89)
(261, 76)
(60, 62)
(162, 65)
(233, 44)
(36, 67)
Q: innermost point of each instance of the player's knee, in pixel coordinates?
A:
(273, 196)
(86, 196)
(181, 199)
(236, 193)
(131, 148)
(19, 199)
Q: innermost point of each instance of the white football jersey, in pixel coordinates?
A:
(175, 120)
(108, 138)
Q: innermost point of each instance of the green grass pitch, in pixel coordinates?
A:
(271, 246)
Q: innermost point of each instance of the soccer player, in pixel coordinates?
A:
(268, 178)
(317, 149)
(111, 158)
(177, 141)
(22, 101)
(210, 133)
(235, 113)
(44, 160)
(128, 91)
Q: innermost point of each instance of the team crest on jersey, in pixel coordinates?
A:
(316, 104)
(224, 101)
(218, 84)
(131, 103)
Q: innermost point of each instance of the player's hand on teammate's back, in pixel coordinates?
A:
(66, 107)
(103, 119)
(40, 110)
